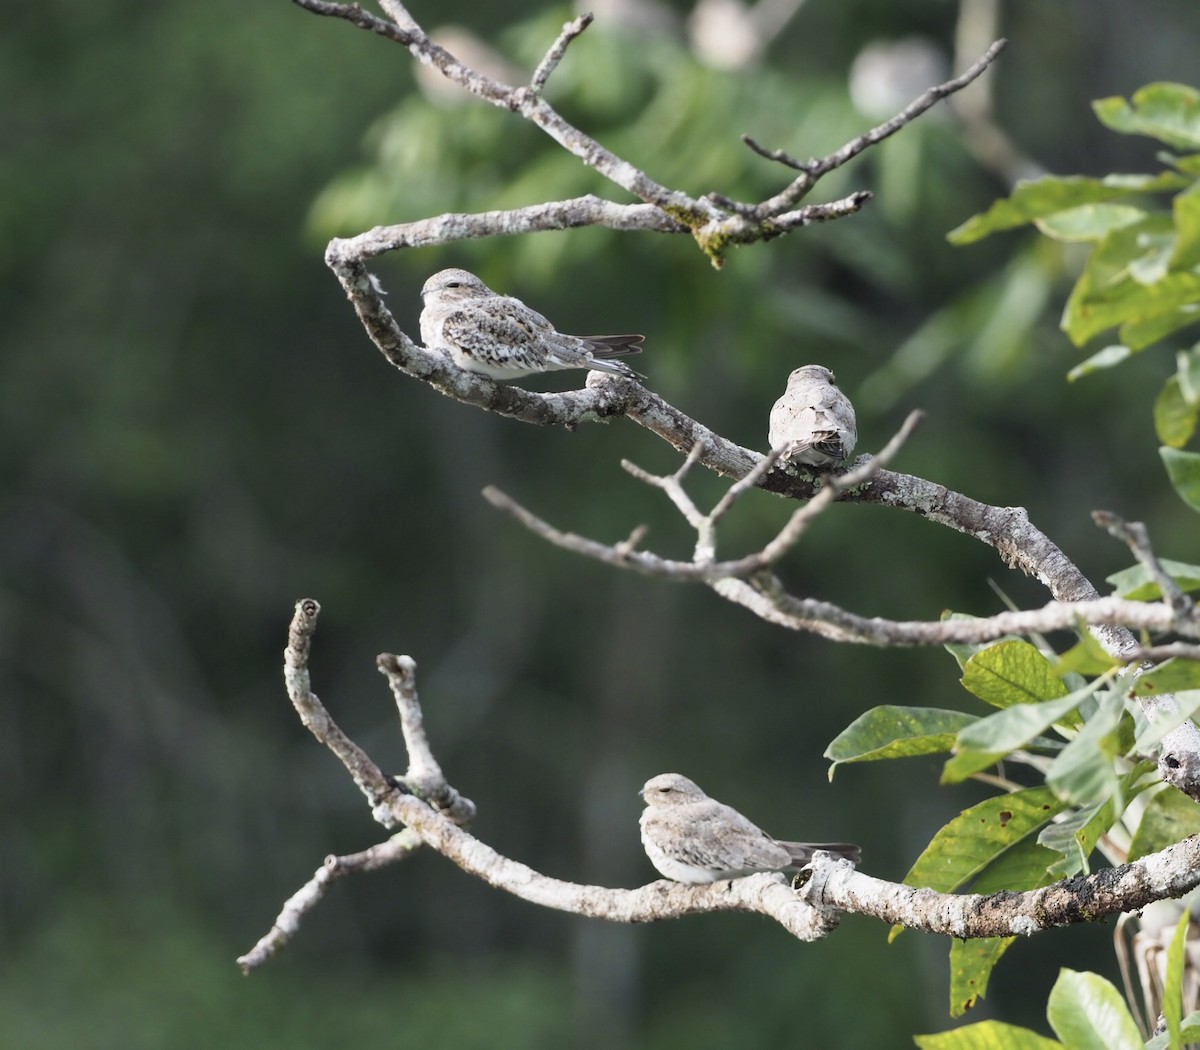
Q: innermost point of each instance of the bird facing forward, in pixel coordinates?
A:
(814, 421)
(692, 838)
(500, 337)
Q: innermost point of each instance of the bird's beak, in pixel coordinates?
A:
(641, 794)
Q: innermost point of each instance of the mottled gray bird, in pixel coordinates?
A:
(692, 838)
(501, 337)
(814, 421)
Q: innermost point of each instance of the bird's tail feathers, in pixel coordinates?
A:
(802, 851)
(614, 345)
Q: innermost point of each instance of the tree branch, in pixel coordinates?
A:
(714, 220)
(1170, 873)
(811, 909)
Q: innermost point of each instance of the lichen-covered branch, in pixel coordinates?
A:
(715, 221)
(810, 909)
(1170, 873)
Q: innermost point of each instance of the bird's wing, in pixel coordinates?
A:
(743, 845)
(478, 328)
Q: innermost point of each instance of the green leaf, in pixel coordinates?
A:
(1088, 1013)
(1086, 657)
(1135, 582)
(1186, 210)
(892, 731)
(1089, 222)
(1012, 672)
(1171, 676)
(1174, 418)
(1083, 771)
(1175, 308)
(1164, 111)
(1023, 867)
(980, 745)
(1183, 468)
(1173, 985)
(978, 836)
(1106, 358)
(1052, 194)
(987, 1035)
(1109, 292)
(1077, 835)
(971, 965)
(1170, 816)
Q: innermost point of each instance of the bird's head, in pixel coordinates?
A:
(454, 285)
(670, 789)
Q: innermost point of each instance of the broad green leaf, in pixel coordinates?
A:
(966, 845)
(1154, 263)
(1170, 817)
(1183, 468)
(1088, 222)
(1164, 111)
(892, 731)
(1077, 835)
(1088, 1013)
(1047, 196)
(1135, 582)
(1186, 209)
(987, 1035)
(1170, 313)
(1173, 985)
(1087, 657)
(1109, 295)
(1083, 771)
(1023, 867)
(1174, 418)
(1106, 358)
(1012, 672)
(981, 744)
(971, 964)
(1171, 676)
(1162, 721)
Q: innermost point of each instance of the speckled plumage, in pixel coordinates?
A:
(500, 337)
(692, 838)
(813, 422)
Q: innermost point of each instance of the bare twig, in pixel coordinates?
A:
(1133, 534)
(1159, 653)
(811, 171)
(810, 910)
(400, 846)
(370, 779)
(555, 55)
(714, 220)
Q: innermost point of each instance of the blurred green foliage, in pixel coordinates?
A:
(196, 433)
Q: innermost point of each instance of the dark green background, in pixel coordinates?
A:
(196, 433)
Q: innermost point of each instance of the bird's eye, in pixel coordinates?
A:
(453, 284)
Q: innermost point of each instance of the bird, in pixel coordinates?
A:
(500, 337)
(695, 839)
(813, 422)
